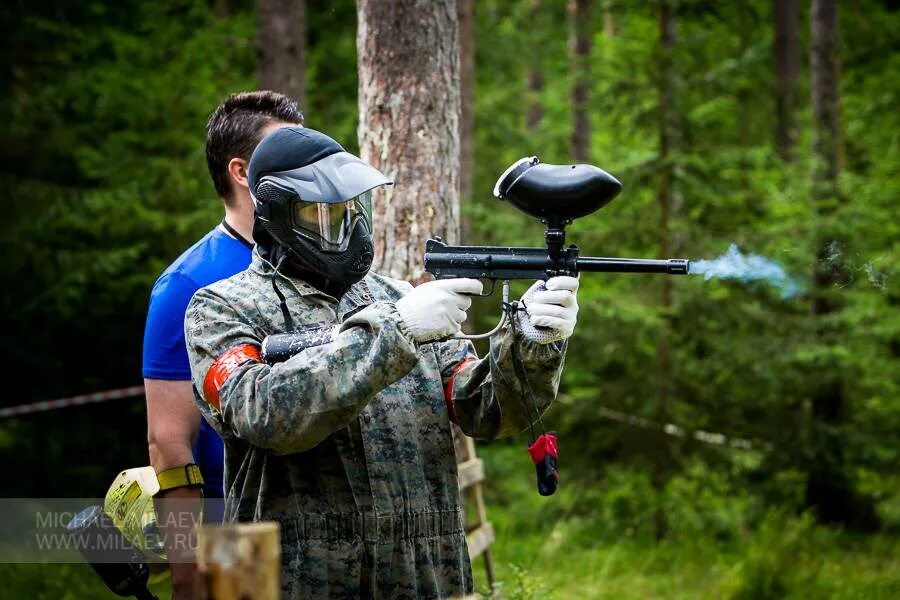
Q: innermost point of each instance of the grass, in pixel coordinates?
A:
(62, 582)
(628, 568)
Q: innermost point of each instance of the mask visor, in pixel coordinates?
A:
(330, 225)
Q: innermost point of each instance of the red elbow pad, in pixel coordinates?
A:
(222, 369)
(448, 391)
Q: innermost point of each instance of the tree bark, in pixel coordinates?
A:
(787, 72)
(408, 53)
(580, 32)
(281, 47)
(665, 198)
(829, 489)
(466, 12)
(534, 78)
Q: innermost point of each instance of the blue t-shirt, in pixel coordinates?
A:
(216, 256)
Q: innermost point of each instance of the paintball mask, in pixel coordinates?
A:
(314, 200)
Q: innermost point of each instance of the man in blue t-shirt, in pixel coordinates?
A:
(177, 436)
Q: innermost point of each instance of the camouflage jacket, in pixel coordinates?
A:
(347, 444)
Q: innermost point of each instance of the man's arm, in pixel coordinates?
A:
(291, 406)
(487, 396)
(172, 424)
(490, 397)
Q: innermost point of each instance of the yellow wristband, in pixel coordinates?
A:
(186, 476)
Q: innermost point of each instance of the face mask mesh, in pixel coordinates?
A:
(267, 192)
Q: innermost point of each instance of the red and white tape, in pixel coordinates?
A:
(708, 437)
(45, 405)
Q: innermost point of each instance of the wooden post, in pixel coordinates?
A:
(239, 561)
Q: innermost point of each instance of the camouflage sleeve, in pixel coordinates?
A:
(487, 396)
(292, 406)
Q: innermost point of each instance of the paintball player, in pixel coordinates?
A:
(177, 436)
(347, 443)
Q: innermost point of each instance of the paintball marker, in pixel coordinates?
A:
(555, 194)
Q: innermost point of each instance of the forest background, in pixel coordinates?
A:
(718, 118)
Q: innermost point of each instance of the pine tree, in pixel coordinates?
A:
(409, 125)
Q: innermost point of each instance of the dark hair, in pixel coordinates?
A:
(235, 128)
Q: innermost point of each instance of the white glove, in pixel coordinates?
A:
(435, 310)
(551, 310)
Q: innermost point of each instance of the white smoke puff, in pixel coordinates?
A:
(752, 267)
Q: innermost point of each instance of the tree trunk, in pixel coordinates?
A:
(534, 84)
(409, 106)
(665, 197)
(829, 489)
(281, 47)
(609, 20)
(787, 71)
(467, 104)
(745, 98)
(580, 32)
(222, 9)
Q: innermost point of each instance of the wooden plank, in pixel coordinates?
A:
(470, 473)
(480, 540)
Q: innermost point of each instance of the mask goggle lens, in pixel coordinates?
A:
(331, 224)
